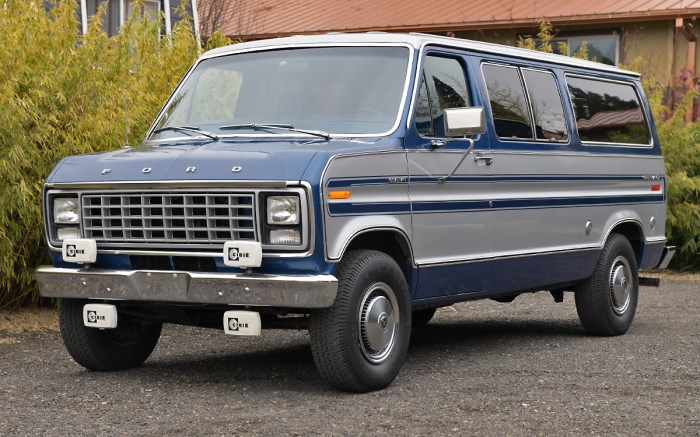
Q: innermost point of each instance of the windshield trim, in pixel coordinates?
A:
(394, 128)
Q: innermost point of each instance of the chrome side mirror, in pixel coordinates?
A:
(464, 121)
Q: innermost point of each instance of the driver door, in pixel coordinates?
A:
(452, 218)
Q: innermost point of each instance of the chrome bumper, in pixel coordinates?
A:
(666, 256)
(292, 291)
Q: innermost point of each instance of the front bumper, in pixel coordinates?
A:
(288, 291)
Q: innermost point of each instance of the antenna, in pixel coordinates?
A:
(126, 119)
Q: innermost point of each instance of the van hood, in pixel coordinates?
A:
(230, 160)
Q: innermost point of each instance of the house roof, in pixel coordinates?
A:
(255, 19)
(415, 41)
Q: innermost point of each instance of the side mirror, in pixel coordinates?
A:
(464, 121)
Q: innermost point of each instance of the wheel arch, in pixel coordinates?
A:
(392, 241)
(632, 230)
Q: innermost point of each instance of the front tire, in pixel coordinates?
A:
(607, 301)
(124, 347)
(359, 344)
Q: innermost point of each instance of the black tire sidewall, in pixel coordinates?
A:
(621, 247)
(382, 269)
(593, 297)
(96, 349)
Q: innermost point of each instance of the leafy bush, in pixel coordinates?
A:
(62, 93)
(680, 142)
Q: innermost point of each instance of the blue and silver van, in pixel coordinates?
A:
(351, 184)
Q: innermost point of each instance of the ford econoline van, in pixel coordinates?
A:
(351, 184)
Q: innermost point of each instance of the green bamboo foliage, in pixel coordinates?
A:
(62, 93)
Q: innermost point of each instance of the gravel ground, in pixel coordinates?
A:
(479, 368)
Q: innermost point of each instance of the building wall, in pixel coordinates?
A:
(654, 48)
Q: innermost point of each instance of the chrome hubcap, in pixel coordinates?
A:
(378, 322)
(620, 285)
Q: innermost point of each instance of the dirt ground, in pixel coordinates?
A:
(479, 368)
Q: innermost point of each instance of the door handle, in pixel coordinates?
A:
(488, 159)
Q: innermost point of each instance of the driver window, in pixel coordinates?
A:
(443, 86)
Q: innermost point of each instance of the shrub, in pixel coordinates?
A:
(680, 143)
(62, 93)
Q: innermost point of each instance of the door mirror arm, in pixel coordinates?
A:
(441, 180)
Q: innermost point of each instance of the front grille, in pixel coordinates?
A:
(168, 219)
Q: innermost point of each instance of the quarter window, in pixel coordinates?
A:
(509, 106)
(547, 109)
(608, 112)
(443, 86)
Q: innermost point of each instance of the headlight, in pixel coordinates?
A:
(66, 210)
(283, 210)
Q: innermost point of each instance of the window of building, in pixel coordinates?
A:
(118, 11)
(547, 108)
(509, 105)
(601, 48)
(608, 112)
(443, 86)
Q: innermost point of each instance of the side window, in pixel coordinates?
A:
(443, 86)
(608, 112)
(509, 106)
(547, 109)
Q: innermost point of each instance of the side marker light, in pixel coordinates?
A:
(333, 195)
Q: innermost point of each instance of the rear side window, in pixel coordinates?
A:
(444, 86)
(608, 112)
(509, 106)
(547, 109)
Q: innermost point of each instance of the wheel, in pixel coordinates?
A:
(420, 318)
(125, 347)
(360, 343)
(607, 301)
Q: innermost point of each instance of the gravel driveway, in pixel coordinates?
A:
(479, 368)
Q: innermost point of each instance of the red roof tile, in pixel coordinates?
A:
(254, 19)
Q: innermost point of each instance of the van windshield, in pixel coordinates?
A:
(339, 90)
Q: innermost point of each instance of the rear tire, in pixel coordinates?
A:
(607, 301)
(124, 347)
(359, 344)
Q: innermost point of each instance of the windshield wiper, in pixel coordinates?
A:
(188, 129)
(287, 127)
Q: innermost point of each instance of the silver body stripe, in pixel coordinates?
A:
(522, 204)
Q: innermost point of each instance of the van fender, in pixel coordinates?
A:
(621, 217)
(343, 236)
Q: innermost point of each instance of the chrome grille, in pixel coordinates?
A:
(168, 218)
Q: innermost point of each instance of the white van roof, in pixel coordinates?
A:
(417, 40)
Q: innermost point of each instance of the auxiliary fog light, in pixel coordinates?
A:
(285, 237)
(66, 233)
